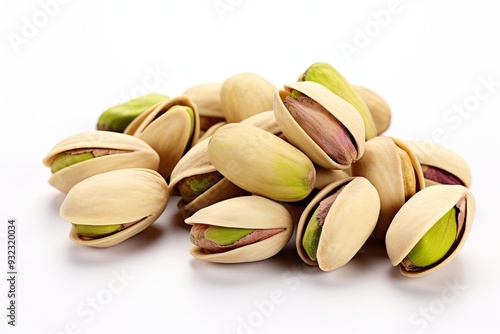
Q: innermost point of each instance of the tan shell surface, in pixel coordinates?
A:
(435, 155)
(418, 215)
(168, 132)
(140, 155)
(347, 226)
(116, 197)
(381, 165)
(253, 212)
(325, 176)
(245, 94)
(342, 110)
(206, 96)
(379, 108)
(211, 130)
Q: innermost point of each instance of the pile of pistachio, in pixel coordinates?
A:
(238, 155)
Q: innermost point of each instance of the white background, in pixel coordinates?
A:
(426, 58)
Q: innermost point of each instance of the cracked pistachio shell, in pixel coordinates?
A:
(261, 163)
(245, 94)
(379, 108)
(196, 162)
(250, 212)
(430, 154)
(381, 165)
(418, 215)
(348, 224)
(169, 132)
(326, 75)
(206, 96)
(344, 112)
(116, 197)
(138, 154)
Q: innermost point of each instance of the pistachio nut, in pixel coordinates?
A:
(89, 153)
(170, 128)
(206, 96)
(261, 163)
(110, 207)
(326, 75)
(196, 179)
(321, 124)
(245, 94)
(118, 117)
(430, 229)
(210, 131)
(379, 108)
(325, 176)
(394, 170)
(240, 229)
(337, 222)
(441, 165)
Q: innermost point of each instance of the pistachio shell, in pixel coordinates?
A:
(170, 133)
(211, 130)
(244, 95)
(139, 154)
(430, 154)
(325, 176)
(418, 215)
(344, 112)
(379, 108)
(381, 165)
(206, 96)
(116, 197)
(261, 163)
(251, 212)
(348, 224)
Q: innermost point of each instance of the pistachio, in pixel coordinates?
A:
(337, 222)
(170, 128)
(89, 153)
(430, 229)
(110, 207)
(434, 244)
(379, 108)
(261, 163)
(323, 128)
(328, 76)
(321, 124)
(394, 170)
(441, 165)
(240, 229)
(117, 118)
(245, 94)
(193, 186)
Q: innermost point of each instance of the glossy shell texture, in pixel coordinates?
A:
(435, 155)
(168, 133)
(253, 212)
(347, 226)
(116, 197)
(381, 165)
(379, 108)
(139, 155)
(418, 215)
(339, 108)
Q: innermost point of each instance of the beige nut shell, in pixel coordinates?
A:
(381, 165)
(418, 215)
(254, 212)
(435, 155)
(115, 197)
(338, 107)
(379, 108)
(167, 132)
(347, 226)
(139, 155)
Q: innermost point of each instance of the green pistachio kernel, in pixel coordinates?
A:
(224, 236)
(63, 160)
(92, 231)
